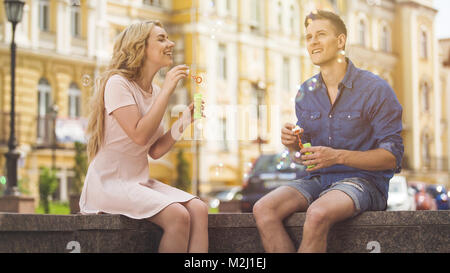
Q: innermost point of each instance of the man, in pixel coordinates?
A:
(353, 120)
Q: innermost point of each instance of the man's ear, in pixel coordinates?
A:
(342, 39)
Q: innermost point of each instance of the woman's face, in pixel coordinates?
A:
(159, 49)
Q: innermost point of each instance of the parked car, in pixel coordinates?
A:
(224, 196)
(424, 200)
(268, 173)
(439, 193)
(401, 196)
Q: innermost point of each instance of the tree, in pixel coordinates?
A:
(80, 168)
(48, 182)
(183, 181)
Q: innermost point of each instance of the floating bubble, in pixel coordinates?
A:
(219, 168)
(341, 56)
(199, 125)
(312, 84)
(197, 79)
(299, 96)
(2, 180)
(297, 155)
(86, 80)
(292, 165)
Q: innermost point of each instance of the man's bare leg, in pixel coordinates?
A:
(271, 210)
(332, 207)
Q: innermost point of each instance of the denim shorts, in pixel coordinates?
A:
(364, 194)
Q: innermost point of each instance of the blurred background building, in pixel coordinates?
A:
(252, 58)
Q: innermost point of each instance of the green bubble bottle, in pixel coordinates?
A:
(198, 105)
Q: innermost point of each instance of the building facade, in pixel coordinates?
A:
(251, 56)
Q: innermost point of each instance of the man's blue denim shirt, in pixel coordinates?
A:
(365, 116)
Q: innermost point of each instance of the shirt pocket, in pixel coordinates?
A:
(351, 123)
(310, 122)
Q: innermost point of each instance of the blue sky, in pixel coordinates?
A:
(442, 18)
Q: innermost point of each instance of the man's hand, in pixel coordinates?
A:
(321, 157)
(288, 138)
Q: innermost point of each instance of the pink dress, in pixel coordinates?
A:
(117, 181)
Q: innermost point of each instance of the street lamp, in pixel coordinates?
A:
(54, 112)
(260, 89)
(14, 11)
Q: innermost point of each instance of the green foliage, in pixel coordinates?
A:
(48, 182)
(80, 168)
(58, 208)
(183, 182)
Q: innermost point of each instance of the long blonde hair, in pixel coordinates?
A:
(127, 60)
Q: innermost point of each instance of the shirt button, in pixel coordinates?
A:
(349, 117)
(330, 116)
(329, 138)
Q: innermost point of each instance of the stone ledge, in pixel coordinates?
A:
(406, 231)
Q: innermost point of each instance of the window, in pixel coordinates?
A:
(153, 2)
(362, 32)
(44, 102)
(74, 101)
(223, 134)
(425, 97)
(292, 19)
(44, 15)
(222, 62)
(75, 21)
(228, 6)
(423, 45)
(426, 156)
(280, 16)
(255, 15)
(286, 76)
(385, 39)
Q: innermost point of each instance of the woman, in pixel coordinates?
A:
(125, 125)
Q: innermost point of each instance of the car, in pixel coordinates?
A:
(228, 195)
(439, 193)
(400, 196)
(268, 173)
(424, 200)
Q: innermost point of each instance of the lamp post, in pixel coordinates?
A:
(260, 88)
(54, 113)
(14, 10)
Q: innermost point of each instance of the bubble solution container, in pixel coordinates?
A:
(198, 105)
(308, 145)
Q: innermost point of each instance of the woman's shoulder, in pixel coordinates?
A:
(118, 79)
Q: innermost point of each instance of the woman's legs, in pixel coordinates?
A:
(175, 222)
(198, 239)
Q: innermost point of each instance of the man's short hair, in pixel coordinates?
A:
(334, 19)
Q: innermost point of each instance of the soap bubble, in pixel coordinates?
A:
(300, 94)
(86, 80)
(312, 84)
(341, 56)
(219, 168)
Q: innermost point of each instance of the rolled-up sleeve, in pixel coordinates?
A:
(386, 121)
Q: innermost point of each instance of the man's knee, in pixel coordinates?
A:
(263, 211)
(317, 217)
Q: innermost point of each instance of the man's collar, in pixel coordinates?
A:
(350, 75)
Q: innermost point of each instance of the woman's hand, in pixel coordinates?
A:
(173, 77)
(186, 119)
(188, 114)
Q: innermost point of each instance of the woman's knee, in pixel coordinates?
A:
(176, 217)
(197, 207)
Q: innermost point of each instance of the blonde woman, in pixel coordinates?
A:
(125, 125)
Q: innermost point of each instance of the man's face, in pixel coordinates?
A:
(322, 42)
